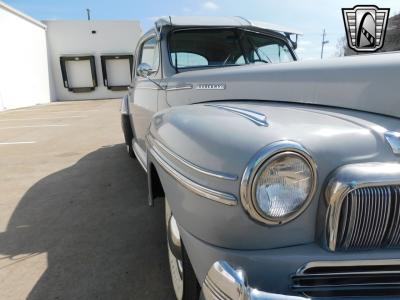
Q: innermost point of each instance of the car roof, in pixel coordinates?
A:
(200, 21)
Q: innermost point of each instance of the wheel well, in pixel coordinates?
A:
(156, 189)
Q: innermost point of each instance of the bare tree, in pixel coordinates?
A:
(341, 46)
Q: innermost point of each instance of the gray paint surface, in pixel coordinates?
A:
(222, 141)
(270, 270)
(337, 109)
(365, 82)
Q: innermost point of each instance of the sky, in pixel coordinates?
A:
(308, 16)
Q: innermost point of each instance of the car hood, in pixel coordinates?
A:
(366, 82)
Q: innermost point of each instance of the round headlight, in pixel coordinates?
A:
(282, 186)
(279, 183)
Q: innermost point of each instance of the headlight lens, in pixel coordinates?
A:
(282, 186)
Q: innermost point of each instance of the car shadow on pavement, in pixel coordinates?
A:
(102, 240)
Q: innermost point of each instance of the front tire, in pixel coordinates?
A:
(184, 280)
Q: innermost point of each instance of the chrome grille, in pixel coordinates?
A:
(369, 218)
(363, 278)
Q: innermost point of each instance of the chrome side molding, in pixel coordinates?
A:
(189, 164)
(203, 191)
(255, 117)
(180, 87)
(223, 282)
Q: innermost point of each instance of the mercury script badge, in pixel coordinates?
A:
(210, 86)
(365, 27)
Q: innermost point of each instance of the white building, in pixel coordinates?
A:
(90, 38)
(32, 54)
(24, 70)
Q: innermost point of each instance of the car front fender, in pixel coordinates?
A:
(201, 152)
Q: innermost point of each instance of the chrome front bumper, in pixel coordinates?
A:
(223, 282)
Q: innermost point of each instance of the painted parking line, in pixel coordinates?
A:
(72, 111)
(49, 118)
(35, 126)
(17, 143)
(51, 111)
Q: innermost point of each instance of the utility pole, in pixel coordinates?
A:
(88, 13)
(323, 43)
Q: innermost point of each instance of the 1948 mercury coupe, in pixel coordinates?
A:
(281, 179)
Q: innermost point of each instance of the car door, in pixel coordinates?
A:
(143, 93)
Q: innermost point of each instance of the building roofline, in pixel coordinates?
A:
(22, 15)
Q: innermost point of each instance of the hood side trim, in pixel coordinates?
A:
(256, 117)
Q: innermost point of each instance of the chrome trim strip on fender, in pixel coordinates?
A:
(181, 87)
(349, 178)
(256, 117)
(220, 197)
(147, 88)
(191, 165)
(254, 165)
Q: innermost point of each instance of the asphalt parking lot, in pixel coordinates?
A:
(74, 223)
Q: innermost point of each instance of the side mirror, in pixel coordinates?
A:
(144, 70)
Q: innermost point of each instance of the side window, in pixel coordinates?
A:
(240, 60)
(268, 49)
(150, 53)
(275, 53)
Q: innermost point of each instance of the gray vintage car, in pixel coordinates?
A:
(281, 179)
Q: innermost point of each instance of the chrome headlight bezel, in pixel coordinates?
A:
(261, 159)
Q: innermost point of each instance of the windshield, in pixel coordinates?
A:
(225, 47)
